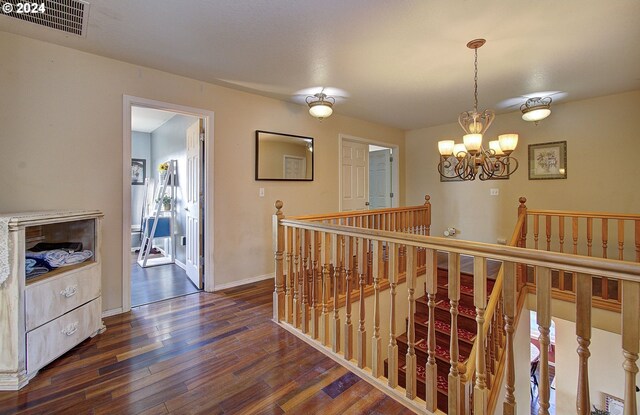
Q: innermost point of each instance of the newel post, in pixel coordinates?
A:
(278, 247)
(427, 204)
(522, 243)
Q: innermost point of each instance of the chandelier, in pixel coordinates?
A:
(320, 105)
(469, 159)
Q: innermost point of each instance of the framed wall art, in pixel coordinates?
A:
(613, 405)
(138, 171)
(548, 161)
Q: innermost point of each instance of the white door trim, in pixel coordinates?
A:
(395, 200)
(208, 117)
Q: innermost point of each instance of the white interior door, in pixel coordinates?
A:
(380, 179)
(355, 176)
(294, 167)
(192, 205)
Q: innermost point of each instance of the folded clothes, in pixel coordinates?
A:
(48, 246)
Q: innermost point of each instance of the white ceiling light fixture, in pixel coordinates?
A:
(320, 105)
(536, 109)
(470, 159)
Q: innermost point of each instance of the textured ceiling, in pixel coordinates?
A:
(400, 63)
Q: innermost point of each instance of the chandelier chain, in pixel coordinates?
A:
(475, 81)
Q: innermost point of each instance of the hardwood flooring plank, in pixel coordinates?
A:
(206, 353)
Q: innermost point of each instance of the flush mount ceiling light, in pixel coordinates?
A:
(536, 109)
(320, 105)
(469, 159)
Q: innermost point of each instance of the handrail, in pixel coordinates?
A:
(571, 213)
(569, 262)
(349, 214)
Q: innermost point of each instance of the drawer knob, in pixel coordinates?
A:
(70, 291)
(70, 329)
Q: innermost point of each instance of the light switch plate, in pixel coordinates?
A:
(261, 193)
(494, 192)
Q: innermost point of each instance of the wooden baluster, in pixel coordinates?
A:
(589, 236)
(630, 341)
(305, 284)
(325, 255)
(296, 280)
(561, 236)
(543, 296)
(288, 293)
(314, 284)
(493, 341)
(548, 229)
(349, 270)
(605, 236)
(377, 368)
(536, 228)
(431, 289)
(583, 333)
(278, 245)
(338, 273)
(620, 241)
(638, 241)
(362, 333)
(454, 298)
(574, 231)
(509, 293)
(427, 203)
(411, 368)
(480, 391)
(522, 209)
(392, 351)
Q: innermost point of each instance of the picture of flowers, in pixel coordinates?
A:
(548, 161)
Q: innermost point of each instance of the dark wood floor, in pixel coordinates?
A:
(202, 353)
(152, 284)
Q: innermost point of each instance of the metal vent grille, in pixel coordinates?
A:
(67, 15)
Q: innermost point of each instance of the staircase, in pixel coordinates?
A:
(466, 334)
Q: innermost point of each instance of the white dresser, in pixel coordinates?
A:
(43, 317)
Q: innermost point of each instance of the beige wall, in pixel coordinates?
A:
(61, 147)
(271, 157)
(602, 169)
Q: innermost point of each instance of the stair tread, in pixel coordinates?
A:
(421, 371)
(445, 328)
(462, 309)
(441, 352)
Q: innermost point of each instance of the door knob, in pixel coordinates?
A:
(366, 203)
(186, 209)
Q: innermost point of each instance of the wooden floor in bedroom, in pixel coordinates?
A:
(203, 353)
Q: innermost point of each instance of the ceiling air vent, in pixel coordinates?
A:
(70, 16)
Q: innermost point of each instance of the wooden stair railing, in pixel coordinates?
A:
(329, 253)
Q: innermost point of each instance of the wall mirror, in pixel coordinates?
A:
(283, 156)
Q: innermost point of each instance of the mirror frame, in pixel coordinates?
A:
(258, 132)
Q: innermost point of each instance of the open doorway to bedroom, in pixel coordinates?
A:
(165, 202)
(165, 176)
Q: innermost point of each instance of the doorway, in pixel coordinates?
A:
(368, 174)
(165, 199)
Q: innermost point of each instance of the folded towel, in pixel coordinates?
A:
(36, 271)
(78, 257)
(29, 264)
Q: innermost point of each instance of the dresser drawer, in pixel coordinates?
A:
(58, 336)
(52, 297)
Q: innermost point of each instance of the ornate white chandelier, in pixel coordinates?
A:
(469, 159)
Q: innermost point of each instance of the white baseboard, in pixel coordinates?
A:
(180, 264)
(224, 286)
(112, 312)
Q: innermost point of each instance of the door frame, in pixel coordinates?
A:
(129, 101)
(395, 180)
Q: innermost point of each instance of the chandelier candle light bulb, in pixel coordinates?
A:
(495, 146)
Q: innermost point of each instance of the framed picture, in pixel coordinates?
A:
(548, 161)
(450, 170)
(613, 405)
(138, 171)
